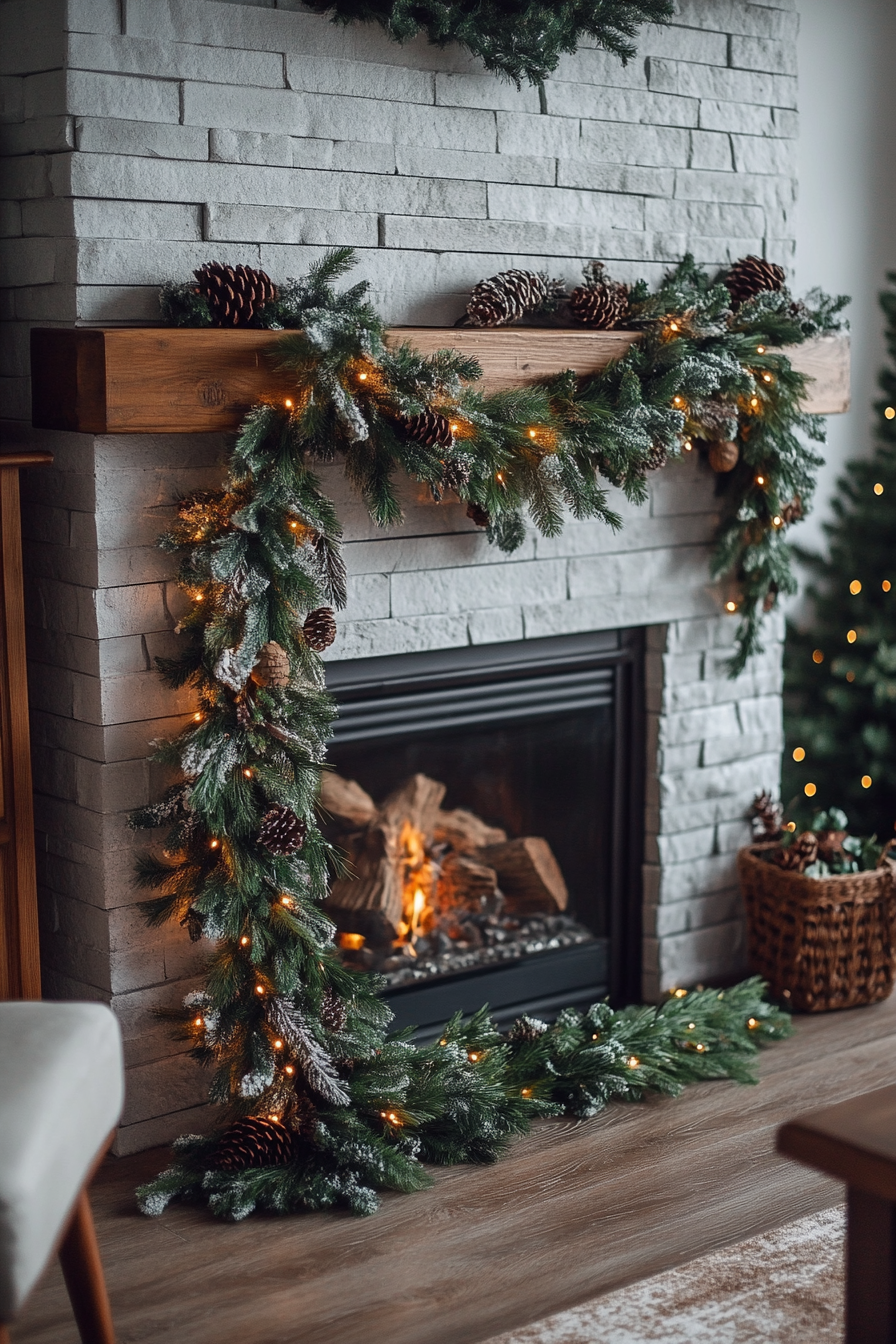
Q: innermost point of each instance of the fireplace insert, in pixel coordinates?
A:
(490, 800)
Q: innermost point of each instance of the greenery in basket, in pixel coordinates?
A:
(816, 847)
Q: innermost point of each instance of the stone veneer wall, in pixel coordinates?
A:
(145, 137)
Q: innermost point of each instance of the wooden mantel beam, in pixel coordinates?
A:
(168, 380)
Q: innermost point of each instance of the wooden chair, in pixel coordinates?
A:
(63, 1087)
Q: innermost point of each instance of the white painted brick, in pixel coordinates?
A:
(747, 118)
(368, 598)
(764, 741)
(710, 150)
(363, 639)
(616, 177)
(719, 780)
(12, 97)
(138, 56)
(739, 86)
(511, 237)
(620, 105)
(688, 44)
(282, 224)
(694, 725)
(92, 94)
(249, 147)
(699, 913)
(27, 261)
(94, 16)
(734, 16)
(495, 625)
(675, 817)
(704, 217)
(462, 90)
(432, 591)
(755, 155)
(414, 162)
(703, 955)
(136, 219)
(686, 845)
(750, 189)
(41, 135)
(763, 53)
(362, 80)
(554, 136)
(31, 36)
(560, 206)
(633, 144)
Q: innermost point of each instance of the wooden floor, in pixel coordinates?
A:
(576, 1209)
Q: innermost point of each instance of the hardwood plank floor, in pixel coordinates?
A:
(575, 1210)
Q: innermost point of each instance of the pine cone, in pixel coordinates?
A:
(333, 1014)
(192, 922)
(319, 629)
(792, 512)
(429, 428)
(456, 474)
(281, 831)
(600, 303)
(723, 456)
(767, 813)
(527, 1029)
(751, 275)
(656, 458)
(303, 1117)
(234, 293)
(243, 713)
(272, 665)
(830, 844)
(255, 1142)
(803, 851)
(508, 296)
(479, 515)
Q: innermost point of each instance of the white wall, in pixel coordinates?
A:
(846, 211)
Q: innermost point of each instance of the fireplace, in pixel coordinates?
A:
(527, 760)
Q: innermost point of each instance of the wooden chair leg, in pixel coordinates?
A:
(82, 1269)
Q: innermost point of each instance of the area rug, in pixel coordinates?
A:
(783, 1287)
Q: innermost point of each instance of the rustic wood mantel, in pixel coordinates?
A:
(165, 380)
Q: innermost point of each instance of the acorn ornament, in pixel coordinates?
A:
(235, 294)
(255, 1142)
(319, 628)
(281, 831)
(271, 666)
(723, 456)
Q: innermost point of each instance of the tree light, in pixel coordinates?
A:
(760, 349)
(866, 781)
(799, 753)
(687, 446)
(810, 790)
(288, 404)
(890, 412)
(278, 1044)
(851, 636)
(245, 940)
(767, 378)
(752, 1023)
(754, 403)
(850, 676)
(855, 587)
(198, 1021)
(886, 585)
(362, 377)
(288, 1068)
(248, 773)
(473, 1056)
(777, 521)
(878, 488)
(533, 434)
(213, 844)
(760, 480)
(197, 717)
(731, 606)
(817, 656)
(633, 1061)
(259, 989)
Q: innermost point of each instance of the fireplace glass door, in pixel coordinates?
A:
(494, 841)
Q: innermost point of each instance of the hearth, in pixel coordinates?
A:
(490, 800)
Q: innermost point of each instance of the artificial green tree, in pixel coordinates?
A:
(841, 667)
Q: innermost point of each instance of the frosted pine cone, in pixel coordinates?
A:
(319, 629)
(527, 1029)
(656, 458)
(600, 303)
(272, 665)
(254, 1142)
(281, 831)
(333, 1014)
(509, 296)
(235, 294)
(750, 276)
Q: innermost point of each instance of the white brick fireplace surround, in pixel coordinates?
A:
(144, 137)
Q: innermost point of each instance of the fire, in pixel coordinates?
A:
(418, 881)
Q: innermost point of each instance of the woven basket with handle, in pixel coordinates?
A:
(821, 942)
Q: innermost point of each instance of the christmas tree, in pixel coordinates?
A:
(841, 669)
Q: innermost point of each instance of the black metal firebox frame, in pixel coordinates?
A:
(392, 696)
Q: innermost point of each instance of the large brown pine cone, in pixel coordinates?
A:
(767, 816)
(429, 428)
(271, 666)
(506, 297)
(601, 305)
(281, 831)
(656, 458)
(751, 275)
(255, 1142)
(234, 293)
(802, 852)
(527, 1029)
(319, 629)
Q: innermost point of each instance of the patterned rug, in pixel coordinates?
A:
(784, 1287)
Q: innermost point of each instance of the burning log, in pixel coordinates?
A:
(416, 802)
(465, 882)
(528, 875)
(371, 901)
(464, 832)
(345, 800)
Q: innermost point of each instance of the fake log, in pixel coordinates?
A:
(345, 800)
(464, 832)
(416, 802)
(370, 902)
(465, 882)
(528, 875)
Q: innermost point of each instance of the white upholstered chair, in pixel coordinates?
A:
(61, 1091)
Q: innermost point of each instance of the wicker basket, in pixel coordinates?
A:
(821, 942)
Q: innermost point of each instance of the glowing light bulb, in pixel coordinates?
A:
(752, 1023)
(245, 940)
(799, 753)
(197, 717)
(731, 606)
(454, 428)
(886, 585)
(680, 993)
(473, 1056)
(890, 412)
(692, 1026)
(198, 1021)
(760, 349)
(791, 826)
(533, 434)
(851, 636)
(673, 326)
(633, 1061)
(285, 900)
(288, 1068)
(213, 844)
(810, 790)
(855, 587)
(278, 1044)
(767, 378)
(817, 656)
(777, 521)
(525, 1091)
(288, 404)
(362, 377)
(687, 446)
(866, 781)
(878, 488)
(443, 1041)
(760, 480)
(247, 773)
(754, 402)
(259, 989)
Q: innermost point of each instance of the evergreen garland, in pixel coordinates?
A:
(840, 671)
(514, 38)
